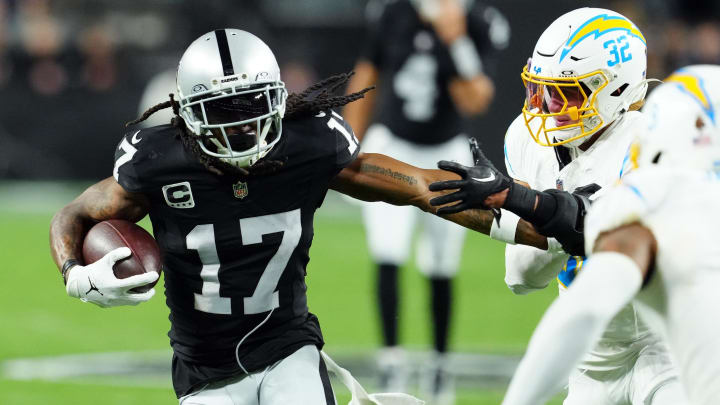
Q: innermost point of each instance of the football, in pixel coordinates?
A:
(112, 234)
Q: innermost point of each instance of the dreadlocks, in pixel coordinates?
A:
(310, 101)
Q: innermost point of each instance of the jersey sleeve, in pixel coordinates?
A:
(347, 146)
(631, 200)
(514, 150)
(125, 170)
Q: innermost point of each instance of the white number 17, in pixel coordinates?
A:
(334, 124)
(264, 298)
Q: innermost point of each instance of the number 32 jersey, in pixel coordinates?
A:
(234, 250)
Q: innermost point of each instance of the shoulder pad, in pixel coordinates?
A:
(630, 200)
(138, 154)
(516, 141)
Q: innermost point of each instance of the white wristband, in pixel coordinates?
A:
(505, 231)
(466, 58)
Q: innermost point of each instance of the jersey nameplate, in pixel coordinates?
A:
(179, 195)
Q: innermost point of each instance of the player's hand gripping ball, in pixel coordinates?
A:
(109, 235)
(122, 265)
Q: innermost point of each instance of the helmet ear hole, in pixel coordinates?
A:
(656, 158)
(620, 90)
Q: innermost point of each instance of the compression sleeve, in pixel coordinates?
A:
(571, 325)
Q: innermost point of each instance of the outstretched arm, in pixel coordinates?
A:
(101, 201)
(376, 177)
(611, 278)
(553, 213)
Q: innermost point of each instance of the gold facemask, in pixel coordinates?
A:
(585, 116)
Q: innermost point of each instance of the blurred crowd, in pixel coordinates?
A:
(73, 71)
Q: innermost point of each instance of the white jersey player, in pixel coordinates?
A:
(607, 72)
(584, 83)
(653, 242)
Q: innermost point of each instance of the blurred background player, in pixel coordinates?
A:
(430, 60)
(584, 82)
(653, 242)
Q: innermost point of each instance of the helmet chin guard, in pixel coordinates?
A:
(229, 88)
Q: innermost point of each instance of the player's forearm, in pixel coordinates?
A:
(571, 325)
(482, 221)
(557, 345)
(358, 113)
(375, 177)
(472, 96)
(102, 201)
(67, 229)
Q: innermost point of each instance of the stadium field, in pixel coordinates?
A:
(40, 322)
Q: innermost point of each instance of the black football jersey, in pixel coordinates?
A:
(235, 252)
(415, 69)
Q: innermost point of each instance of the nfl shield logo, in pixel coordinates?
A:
(240, 190)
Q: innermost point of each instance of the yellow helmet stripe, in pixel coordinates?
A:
(600, 25)
(694, 86)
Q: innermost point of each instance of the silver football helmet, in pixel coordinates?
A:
(231, 96)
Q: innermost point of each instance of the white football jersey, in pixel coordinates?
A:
(680, 301)
(604, 163)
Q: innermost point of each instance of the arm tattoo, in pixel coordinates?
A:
(370, 168)
(102, 201)
(477, 220)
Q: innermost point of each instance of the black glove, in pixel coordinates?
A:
(478, 182)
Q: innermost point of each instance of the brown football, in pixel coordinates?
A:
(112, 234)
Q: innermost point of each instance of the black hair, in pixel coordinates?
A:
(309, 102)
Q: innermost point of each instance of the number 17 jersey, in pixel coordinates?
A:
(234, 250)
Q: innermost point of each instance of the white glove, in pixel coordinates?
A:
(97, 283)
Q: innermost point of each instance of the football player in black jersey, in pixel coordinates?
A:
(231, 186)
(431, 59)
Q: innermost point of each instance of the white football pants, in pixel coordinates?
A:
(389, 228)
(300, 378)
(650, 380)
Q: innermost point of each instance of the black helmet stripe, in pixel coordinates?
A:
(224, 52)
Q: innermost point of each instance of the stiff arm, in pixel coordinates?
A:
(376, 177)
(101, 201)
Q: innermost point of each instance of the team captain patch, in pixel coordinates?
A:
(179, 195)
(240, 190)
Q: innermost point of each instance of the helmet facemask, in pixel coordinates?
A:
(238, 125)
(595, 55)
(579, 115)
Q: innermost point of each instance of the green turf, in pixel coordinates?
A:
(40, 320)
(40, 392)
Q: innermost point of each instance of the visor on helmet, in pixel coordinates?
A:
(573, 106)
